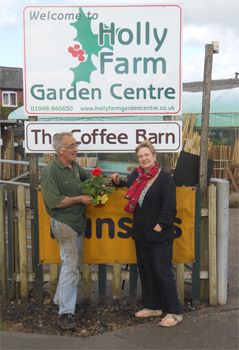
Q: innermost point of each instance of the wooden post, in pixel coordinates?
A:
(22, 237)
(116, 281)
(11, 245)
(229, 175)
(3, 246)
(86, 281)
(1, 152)
(209, 50)
(37, 267)
(102, 282)
(212, 245)
(133, 277)
(165, 157)
(54, 273)
(180, 282)
(33, 170)
(16, 245)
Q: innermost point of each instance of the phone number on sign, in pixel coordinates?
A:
(51, 108)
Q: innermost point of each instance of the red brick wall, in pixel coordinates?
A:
(20, 98)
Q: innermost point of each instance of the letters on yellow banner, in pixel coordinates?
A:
(108, 238)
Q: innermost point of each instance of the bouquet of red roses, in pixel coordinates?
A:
(97, 186)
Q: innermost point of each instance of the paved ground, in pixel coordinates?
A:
(211, 328)
(215, 328)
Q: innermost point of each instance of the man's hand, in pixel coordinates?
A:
(69, 201)
(85, 199)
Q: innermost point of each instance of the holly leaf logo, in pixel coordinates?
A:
(89, 44)
(83, 71)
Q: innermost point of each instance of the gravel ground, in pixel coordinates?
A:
(91, 319)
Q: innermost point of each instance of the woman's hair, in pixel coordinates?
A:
(58, 139)
(147, 144)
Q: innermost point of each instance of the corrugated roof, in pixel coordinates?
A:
(222, 101)
(222, 84)
(224, 107)
(219, 120)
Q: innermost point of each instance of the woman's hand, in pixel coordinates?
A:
(157, 228)
(115, 178)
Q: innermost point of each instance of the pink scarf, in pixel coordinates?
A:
(138, 185)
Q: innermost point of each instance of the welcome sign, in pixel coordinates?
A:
(103, 60)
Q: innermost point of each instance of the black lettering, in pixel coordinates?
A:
(140, 135)
(99, 227)
(88, 231)
(44, 135)
(110, 138)
(35, 135)
(172, 137)
(127, 228)
(177, 230)
(123, 137)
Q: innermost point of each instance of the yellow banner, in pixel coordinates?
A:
(108, 231)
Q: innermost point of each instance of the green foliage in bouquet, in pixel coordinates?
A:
(97, 186)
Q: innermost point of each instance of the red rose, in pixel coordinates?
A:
(96, 172)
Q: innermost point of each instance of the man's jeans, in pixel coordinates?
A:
(71, 245)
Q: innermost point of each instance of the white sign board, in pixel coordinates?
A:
(103, 60)
(105, 137)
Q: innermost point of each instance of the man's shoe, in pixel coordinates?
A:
(67, 321)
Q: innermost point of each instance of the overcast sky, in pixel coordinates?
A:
(204, 21)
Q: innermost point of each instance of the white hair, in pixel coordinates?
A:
(58, 139)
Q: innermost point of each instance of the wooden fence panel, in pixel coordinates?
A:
(122, 280)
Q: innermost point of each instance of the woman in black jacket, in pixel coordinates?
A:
(152, 200)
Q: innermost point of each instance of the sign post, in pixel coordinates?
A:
(210, 49)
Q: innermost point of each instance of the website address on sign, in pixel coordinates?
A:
(125, 109)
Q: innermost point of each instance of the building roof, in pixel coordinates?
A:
(11, 78)
(7, 122)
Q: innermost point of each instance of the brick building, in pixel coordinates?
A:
(11, 90)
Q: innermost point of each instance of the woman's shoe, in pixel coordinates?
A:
(148, 313)
(170, 320)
